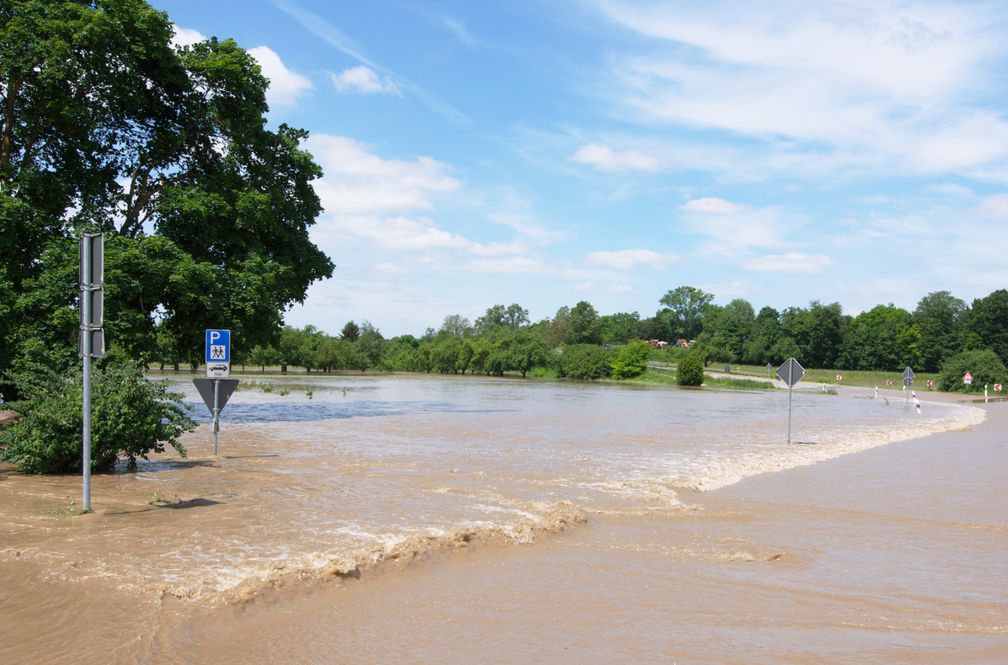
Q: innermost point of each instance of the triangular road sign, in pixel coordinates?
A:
(224, 391)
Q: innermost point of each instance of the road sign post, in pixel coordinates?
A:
(91, 339)
(791, 372)
(908, 379)
(215, 394)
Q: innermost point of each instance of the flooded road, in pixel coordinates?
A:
(332, 483)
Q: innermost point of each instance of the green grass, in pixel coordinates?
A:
(868, 379)
(737, 384)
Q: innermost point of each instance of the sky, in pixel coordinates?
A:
(544, 153)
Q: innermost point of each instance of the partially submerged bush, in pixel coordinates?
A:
(631, 360)
(690, 370)
(985, 366)
(131, 417)
(584, 361)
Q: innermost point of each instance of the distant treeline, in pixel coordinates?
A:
(579, 342)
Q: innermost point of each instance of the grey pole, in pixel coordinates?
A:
(86, 348)
(216, 413)
(790, 388)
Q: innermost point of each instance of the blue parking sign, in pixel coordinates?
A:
(218, 346)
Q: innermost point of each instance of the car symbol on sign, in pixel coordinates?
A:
(218, 368)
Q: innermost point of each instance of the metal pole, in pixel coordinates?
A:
(86, 349)
(789, 414)
(216, 413)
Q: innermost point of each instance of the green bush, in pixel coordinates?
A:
(985, 366)
(131, 417)
(631, 360)
(690, 370)
(584, 361)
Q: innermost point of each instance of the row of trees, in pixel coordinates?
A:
(579, 342)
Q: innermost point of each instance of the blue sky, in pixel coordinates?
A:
(491, 152)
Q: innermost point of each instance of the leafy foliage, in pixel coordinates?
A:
(131, 418)
(690, 370)
(985, 366)
(584, 361)
(108, 127)
(631, 360)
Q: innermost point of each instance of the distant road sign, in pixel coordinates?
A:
(217, 353)
(908, 377)
(791, 372)
(968, 379)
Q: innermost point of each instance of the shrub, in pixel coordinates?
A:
(631, 360)
(690, 370)
(131, 417)
(584, 361)
(985, 366)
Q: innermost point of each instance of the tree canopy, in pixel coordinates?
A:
(105, 126)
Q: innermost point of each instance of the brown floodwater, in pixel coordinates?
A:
(449, 520)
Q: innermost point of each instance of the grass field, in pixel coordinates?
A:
(850, 377)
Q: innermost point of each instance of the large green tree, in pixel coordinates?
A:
(989, 322)
(687, 305)
(939, 316)
(105, 126)
(880, 339)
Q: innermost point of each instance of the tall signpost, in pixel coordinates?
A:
(217, 387)
(908, 379)
(92, 336)
(791, 372)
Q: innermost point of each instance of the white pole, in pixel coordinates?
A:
(985, 393)
(86, 349)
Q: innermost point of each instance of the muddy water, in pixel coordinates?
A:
(254, 556)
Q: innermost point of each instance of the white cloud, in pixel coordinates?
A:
(363, 79)
(995, 207)
(372, 202)
(285, 86)
(594, 287)
(790, 262)
(186, 36)
(713, 206)
(627, 259)
(884, 84)
(359, 182)
(605, 158)
(514, 265)
(390, 268)
(732, 227)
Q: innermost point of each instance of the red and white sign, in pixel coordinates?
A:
(968, 379)
(888, 382)
(839, 377)
(930, 384)
(997, 387)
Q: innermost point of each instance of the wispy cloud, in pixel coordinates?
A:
(713, 206)
(363, 79)
(627, 259)
(605, 158)
(789, 262)
(333, 36)
(885, 84)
